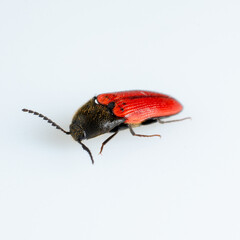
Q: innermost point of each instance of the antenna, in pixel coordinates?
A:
(87, 149)
(45, 118)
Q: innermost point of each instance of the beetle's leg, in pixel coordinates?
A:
(106, 141)
(170, 121)
(140, 135)
(86, 149)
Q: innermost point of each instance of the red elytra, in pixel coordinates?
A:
(138, 106)
(113, 112)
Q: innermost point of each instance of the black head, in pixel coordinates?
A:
(76, 130)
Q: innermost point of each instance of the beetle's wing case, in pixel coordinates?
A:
(138, 106)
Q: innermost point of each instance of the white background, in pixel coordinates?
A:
(56, 55)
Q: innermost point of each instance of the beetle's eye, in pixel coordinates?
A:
(84, 134)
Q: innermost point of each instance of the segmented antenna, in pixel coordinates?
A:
(45, 118)
(86, 149)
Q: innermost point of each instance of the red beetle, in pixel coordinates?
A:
(112, 112)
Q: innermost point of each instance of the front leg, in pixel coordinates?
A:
(107, 140)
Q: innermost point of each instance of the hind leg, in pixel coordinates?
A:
(140, 135)
(170, 121)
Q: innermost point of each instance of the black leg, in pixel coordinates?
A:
(177, 120)
(140, 135)
(106, 141)
(86, 149)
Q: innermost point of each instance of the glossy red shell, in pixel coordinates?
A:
(137, 106)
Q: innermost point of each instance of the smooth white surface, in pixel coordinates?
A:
(55, 55)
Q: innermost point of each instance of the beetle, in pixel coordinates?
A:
(116, 111)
